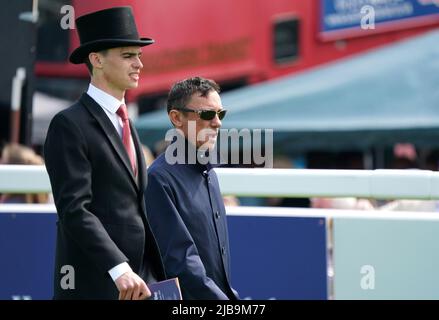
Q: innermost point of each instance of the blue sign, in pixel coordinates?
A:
(272, 257)
(27, 246)
(349, 18)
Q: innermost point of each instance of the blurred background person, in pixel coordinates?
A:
(284, 162)
(149, 156)
(343, 161)
(22, 155)
(231, 201)
(405, 156)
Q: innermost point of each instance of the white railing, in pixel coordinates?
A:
(24, 179)
(378, 184)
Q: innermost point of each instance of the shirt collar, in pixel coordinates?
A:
(105, 100)
(200, 166)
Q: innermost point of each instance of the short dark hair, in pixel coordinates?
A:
(88, 63)
(182, 91)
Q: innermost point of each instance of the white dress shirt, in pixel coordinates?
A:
(110, 105)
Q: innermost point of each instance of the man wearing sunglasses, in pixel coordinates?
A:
(183, 199)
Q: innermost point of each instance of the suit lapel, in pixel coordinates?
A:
(111, 133)
(141, 165)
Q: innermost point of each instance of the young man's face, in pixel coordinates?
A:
(121, 68)
(206, 131)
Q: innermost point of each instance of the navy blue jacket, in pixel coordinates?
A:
(187, 215)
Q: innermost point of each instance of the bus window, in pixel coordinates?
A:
(286, 40)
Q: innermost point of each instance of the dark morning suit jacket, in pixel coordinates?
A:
(101, 211)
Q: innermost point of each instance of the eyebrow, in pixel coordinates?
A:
(203, 108)
(131, 53)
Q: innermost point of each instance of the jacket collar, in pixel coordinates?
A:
(105, 100)
(115, 140)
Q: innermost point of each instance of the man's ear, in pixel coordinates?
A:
(95, 59)
(175, 117)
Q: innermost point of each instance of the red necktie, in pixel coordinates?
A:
(126, 136)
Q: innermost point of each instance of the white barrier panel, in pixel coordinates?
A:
(24, 179)
(378, 259)
(378, 184)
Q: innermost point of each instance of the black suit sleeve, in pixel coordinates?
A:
(179, 252)
(70, 175)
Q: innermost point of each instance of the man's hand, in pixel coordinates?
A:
(132, 287)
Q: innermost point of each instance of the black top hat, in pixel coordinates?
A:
(105, 29)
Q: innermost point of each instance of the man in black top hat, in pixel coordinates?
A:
(105, 247)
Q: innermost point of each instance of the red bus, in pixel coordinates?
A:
(235, 42)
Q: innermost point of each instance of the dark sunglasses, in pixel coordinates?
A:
(207, 114)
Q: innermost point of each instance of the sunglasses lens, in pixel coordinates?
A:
(210, 114)
(222, 114)
(207, 115)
